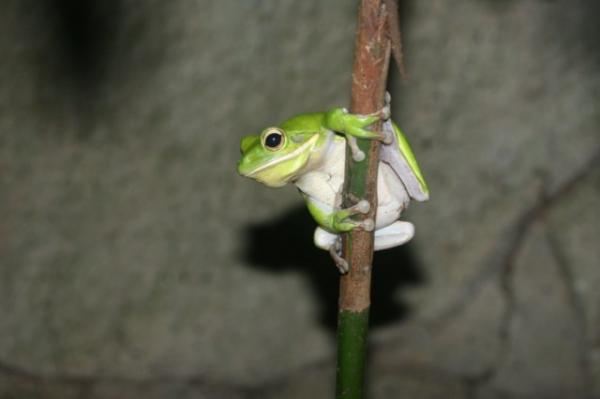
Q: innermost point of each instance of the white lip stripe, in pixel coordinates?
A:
(286, 157)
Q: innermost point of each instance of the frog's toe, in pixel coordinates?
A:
(385, 112)
(343, 218)
(368, 224)
(334, 250)
(387, 98)
(363, 206)
(388, 132)
(357, 154)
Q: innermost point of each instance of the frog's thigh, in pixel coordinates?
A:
(324, 239)
(393, 235)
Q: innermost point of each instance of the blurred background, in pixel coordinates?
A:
(135, 262)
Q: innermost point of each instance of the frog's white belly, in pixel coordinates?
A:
(324, 185)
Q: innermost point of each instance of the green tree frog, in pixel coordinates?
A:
(309, 151)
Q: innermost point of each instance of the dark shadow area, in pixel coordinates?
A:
(585, 28)
(286, 242)
(86, 36)
(578, 29)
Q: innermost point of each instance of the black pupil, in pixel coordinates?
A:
(273, 140)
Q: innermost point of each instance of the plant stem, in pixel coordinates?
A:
(369, 75)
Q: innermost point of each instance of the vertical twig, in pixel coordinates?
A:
(369, 75)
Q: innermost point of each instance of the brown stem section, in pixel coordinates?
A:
(369, 75)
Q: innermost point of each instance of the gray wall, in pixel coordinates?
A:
(134, 262)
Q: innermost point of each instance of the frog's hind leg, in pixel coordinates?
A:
(393, 235)
(324, 239)
(332, 243)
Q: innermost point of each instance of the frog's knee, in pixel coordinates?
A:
(324, 239)
(394, 235)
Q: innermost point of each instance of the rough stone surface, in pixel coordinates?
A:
(434, 345)
(573, 229)
(540, 327)
(134, 262)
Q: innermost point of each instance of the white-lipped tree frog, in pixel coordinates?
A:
(309, 151)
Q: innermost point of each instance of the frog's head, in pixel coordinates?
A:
(276, 156)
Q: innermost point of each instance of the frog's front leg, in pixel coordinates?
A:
(333, 222)
(354, 126)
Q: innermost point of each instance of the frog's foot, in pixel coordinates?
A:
(358, 130)
(333, 244)
(355, 125)
(342, 221)
(393, 235)
(385, 112)
(335, 251)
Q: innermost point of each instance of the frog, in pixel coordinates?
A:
(309, 150)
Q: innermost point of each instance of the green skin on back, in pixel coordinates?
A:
(408, 154)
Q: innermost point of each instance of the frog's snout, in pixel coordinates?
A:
(241, 169)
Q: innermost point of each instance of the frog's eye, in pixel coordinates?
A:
(273, 139)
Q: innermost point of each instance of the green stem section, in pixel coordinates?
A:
(352, 353)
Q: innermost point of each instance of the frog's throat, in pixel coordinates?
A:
(309, 143)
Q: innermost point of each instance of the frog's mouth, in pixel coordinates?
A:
(303, 149)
